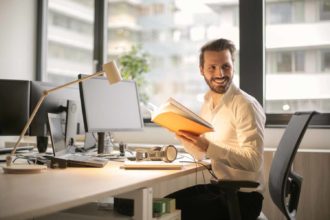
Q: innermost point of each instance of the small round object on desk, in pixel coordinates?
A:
(23, 168)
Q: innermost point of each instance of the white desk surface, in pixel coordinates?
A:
(30, 195)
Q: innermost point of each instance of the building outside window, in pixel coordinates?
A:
(297, 66)
(324, 10)
(171, 32)
(285, 62)
(297, 35)
(70, 39)
(325, 65)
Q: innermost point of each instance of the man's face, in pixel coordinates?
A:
(218, 70)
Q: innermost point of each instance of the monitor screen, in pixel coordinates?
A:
(56, 133)
(108, 107)
(14, 106)
(55, 102)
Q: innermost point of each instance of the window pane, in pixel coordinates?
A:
(171, 33)
(70, 39)
(324, 10)
(291, 12)
(297, 61)
(325, 61)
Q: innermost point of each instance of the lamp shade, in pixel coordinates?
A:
(111, 71)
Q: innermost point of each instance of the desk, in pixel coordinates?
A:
(31, 195)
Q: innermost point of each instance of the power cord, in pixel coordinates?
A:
(208, 168)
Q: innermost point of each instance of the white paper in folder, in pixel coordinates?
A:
(157, 165)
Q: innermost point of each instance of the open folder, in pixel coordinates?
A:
(175, 117)
(157, 165)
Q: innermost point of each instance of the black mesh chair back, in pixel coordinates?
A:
(284, 184)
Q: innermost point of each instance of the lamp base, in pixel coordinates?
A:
(23, 168)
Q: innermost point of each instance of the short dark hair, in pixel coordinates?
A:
(217, 45)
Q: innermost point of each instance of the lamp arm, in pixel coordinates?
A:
(74, 82)
(27, 125)
(36, 108)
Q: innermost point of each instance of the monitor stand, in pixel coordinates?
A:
(70, 122)
(100, 142)
(42, 143)
(104, 144)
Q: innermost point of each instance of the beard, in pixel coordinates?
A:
(219, 84)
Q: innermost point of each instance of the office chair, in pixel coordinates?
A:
(284, 185)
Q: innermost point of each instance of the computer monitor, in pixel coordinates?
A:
(18, 98)
(14, 106)
(109, 108)
(56, 102)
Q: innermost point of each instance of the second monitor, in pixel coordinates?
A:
(108, 108)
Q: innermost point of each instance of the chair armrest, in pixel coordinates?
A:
(293, 188)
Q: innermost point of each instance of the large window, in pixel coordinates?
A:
(69, 39)
(171, 33)
(297, 65)
(290, 74)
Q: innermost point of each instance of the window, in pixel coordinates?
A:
(324, 10)
(325, 66)
(291, 12)
(297, 57)
(69, 39)
(296, 79)
(172, 32)
(285, 62)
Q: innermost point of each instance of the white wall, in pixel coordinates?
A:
(17, 39)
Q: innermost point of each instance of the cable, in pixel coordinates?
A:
(208, 169)
(30, 159)
(203, 177)
(196, 171)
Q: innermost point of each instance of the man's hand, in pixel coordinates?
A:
(200, 143)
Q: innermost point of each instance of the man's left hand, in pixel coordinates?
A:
(200, 142)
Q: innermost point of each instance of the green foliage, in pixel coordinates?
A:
(133, 66)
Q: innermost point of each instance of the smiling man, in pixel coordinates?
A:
(236, 145)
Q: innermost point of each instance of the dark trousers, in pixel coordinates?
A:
(207, 202)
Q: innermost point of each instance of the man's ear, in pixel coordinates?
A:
(201, 70)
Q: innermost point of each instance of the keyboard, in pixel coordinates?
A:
(75, 160)
(8, 150)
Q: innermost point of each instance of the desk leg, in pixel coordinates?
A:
(142, 203)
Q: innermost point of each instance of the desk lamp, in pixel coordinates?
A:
(109, 69)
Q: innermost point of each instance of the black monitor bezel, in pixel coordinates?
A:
(15, 106)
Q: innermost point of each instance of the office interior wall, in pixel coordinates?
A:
(17, 39)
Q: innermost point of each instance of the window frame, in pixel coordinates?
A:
(252, 53)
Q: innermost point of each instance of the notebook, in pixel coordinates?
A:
(62, 151)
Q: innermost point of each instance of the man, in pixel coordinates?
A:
(236, 145)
